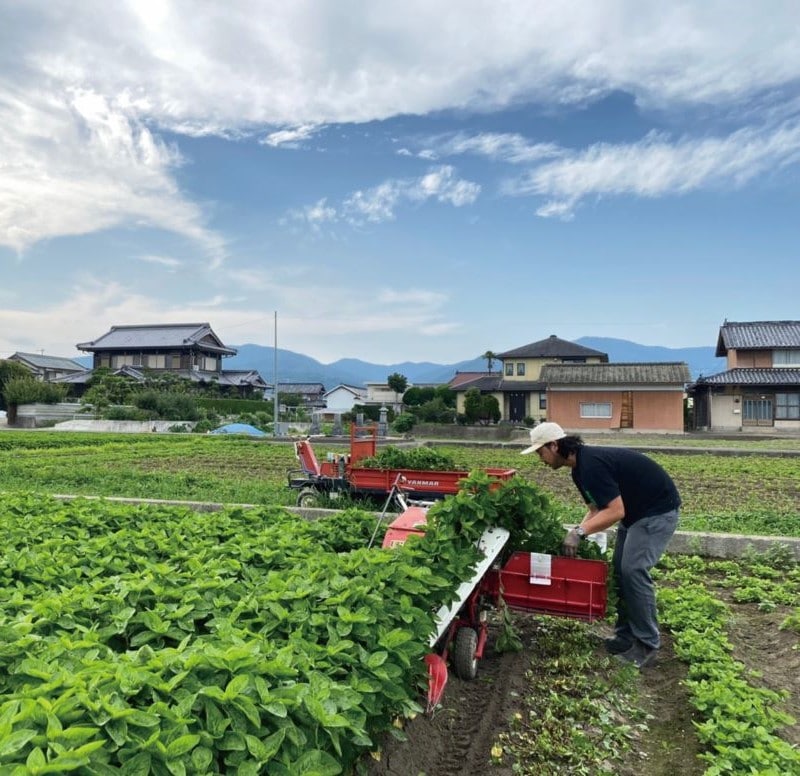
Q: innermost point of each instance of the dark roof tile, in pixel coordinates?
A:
(653, 373)
(757, 335)
(553, 347)
(754, 376)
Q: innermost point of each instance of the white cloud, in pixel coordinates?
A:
(162, 261)
(76, 163)
(657, 167)
(412, 297)
(318, 316)
(86, 97)
(379, 203)
(498, 146)
(291, 138)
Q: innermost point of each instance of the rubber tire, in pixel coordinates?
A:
(465, 664)
(308, 498)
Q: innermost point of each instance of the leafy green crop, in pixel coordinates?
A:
(420, 458)
(157, 640)
(739, 720)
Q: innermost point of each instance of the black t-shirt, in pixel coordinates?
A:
(603, 473)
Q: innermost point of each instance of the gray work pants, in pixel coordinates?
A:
(636, 551)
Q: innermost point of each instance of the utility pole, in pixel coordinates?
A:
(275, 379)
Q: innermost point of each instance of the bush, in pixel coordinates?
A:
(125, 413)
(404, 423)
(167, 406)
(8, 371)
(26, 390)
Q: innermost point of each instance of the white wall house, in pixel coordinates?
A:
(344, 397)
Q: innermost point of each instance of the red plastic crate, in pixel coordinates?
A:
(578, 587)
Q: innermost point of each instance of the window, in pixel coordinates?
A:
(209, 364)
(542, 401)
(155, 361)
(595, 409)
(509, 369)
(118, 361)
(786, 357)
(787, 406)
(521, 370)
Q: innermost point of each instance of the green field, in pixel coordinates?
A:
(755, 494)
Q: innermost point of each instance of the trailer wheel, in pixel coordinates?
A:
(465, 664)
(308, 497)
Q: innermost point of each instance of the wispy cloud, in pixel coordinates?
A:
(497, 146)
(163, 261)
(380, 202)
(291, 138)
(77, 163)
(657, 166)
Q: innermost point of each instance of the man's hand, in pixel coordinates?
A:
(570, 544)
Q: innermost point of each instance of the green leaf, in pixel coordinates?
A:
(36, 759)
(316, 763)
(139, 765)
(236, 685)
(14, 742)
(377, 659)
(180, 746)
(201, 759)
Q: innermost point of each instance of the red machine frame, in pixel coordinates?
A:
(342, 474)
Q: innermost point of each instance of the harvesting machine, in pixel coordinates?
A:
(528, 582)
(342, 474)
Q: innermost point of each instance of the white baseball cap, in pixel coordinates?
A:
(543, 434)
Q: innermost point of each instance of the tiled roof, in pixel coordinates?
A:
(48, 362)
(553, 347)
(462, 378)
(655, 373)
(496, 384)
(161, 336)
(301, 388)
(758, 335)
(754, 376)
(231, 377)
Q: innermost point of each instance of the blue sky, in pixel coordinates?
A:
(415, 181)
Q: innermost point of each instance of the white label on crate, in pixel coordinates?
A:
(541, 568)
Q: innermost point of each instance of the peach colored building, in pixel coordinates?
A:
(625, 396)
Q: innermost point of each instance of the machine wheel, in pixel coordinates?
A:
(465, 664)
(308, 497)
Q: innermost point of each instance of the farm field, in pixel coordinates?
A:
(95, 582)
(737, 494)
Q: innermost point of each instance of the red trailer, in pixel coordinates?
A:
(340, 473)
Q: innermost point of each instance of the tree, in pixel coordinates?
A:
(398, 383)
(8, 371)
(490, 357)
(480, 408)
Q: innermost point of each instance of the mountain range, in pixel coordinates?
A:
(297, 368)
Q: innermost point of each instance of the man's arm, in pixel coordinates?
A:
(599, 519)
(595, 520)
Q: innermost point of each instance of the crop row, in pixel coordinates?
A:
(751, 494)
(161, 641)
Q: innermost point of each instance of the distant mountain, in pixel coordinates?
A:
(701, 360)
(297, 368)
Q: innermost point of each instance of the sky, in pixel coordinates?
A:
(398, 181)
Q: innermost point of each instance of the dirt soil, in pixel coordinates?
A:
(456, 739)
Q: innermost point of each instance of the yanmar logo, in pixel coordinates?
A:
(427, 483)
